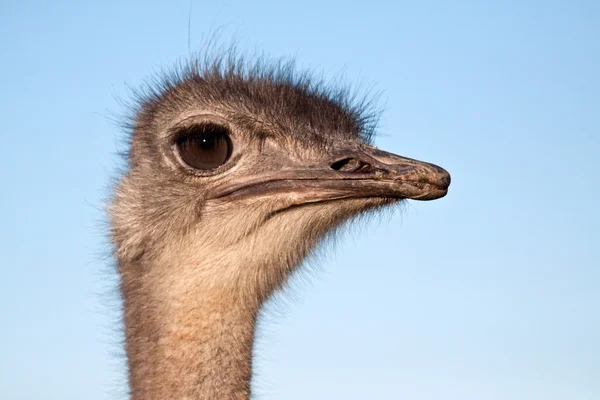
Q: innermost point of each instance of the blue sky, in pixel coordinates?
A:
(489, 293)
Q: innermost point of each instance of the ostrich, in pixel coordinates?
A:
(235, 172)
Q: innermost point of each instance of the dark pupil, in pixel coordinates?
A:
(204, 147)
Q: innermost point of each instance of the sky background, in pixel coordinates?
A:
(489, 293)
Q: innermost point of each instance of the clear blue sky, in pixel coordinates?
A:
(489, 293)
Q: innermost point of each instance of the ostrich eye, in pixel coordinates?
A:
(204, 147)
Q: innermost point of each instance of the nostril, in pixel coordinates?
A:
(338, 165)
(350, 165)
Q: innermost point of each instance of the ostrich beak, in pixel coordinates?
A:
(352, 171)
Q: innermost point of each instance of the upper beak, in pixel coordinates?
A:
(352, 171)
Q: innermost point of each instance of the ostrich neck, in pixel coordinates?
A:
(186, 338)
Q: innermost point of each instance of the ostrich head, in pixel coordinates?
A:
(234, 174)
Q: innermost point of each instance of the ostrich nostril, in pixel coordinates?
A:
(350, 165)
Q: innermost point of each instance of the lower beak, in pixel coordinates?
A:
(358, 171)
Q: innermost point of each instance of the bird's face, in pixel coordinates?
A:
(239, 167)
(259, 175)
